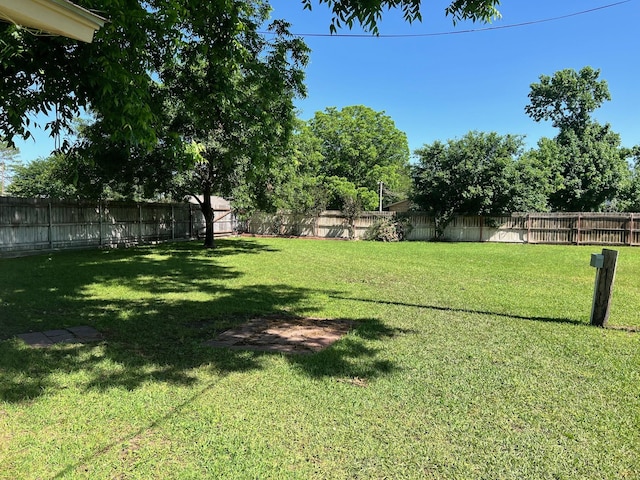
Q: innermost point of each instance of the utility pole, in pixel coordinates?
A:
(380, 196)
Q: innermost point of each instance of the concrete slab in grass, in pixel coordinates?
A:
(59, 336)
(35, 339)
(47, 338)
(86, 333)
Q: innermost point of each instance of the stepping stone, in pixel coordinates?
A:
(47, 338)
(36, 339)
(86, 333)
(60, 336)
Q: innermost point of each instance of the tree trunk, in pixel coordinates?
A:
(207, 211)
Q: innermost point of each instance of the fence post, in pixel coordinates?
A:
(603, 289)
(528, 228)
(50, 227)
(173, 223)
(100, 240)
(139, 224)
(630, 230)
(578, 236)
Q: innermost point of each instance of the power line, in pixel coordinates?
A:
(457, 32)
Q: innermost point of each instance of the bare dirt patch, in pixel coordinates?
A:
(284, 335)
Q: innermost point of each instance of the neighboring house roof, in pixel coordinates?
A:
(401, 206)
(218, 203)
(58, 17)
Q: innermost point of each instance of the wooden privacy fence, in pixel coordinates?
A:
(548, 228)
(31, 225)
(329, 224)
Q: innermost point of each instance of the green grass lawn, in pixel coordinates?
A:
(466, 361)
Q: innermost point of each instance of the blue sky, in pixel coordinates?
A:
(440, 87)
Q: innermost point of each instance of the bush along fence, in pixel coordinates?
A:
(32, 225)
(548, 228)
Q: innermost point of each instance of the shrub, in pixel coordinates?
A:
(389, 230)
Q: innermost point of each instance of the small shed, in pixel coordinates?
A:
(219, 204)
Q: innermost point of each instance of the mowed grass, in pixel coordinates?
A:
(467, 361)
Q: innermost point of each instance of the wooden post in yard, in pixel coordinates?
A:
(603, 289)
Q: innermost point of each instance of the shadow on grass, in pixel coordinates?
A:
(181, 297)
(462, 310)
(353, 356)
(233, 246)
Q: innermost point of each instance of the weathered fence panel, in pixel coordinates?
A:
(31, 225)
(329, 224)
(41, 224)
(549, 228)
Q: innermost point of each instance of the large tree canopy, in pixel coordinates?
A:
(586, 162)
(473, 175)
(586, 169)
(568, 98)
(115, 75)
(225, 108)
(363, 147)
(369, 12)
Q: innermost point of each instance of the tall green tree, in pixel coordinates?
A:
(587, 168)
(231, 90)
(473, 175)
(301, 187)
(364, 147)
(43, 178)
(586, 162)
(568, 98)
(223, 102)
